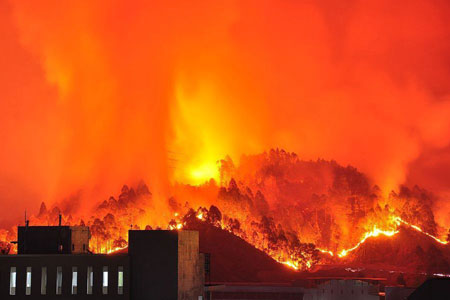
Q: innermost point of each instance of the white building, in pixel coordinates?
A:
(336, 289)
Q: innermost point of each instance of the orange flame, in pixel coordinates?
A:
(377, 232)
(417, 228)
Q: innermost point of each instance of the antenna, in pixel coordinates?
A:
(25, 217)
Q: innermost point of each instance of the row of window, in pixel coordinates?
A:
(59, 277)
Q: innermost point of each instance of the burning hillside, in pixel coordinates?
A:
(301, 213)
(410, 250)
(182, 102)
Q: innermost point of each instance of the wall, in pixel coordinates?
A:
(80, 237)
(343, 290)
(190, 274)
(44, 240)
(154, 262)
(21, 262)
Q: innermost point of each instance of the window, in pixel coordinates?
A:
(90, 280)
(74, 280)
(12, 281)
(73, 247)
(58, 280)
(28, 282)
(120, 281)
(44, 281)
(84, 247)
(105, 280)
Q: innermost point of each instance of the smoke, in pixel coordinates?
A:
(96, 94)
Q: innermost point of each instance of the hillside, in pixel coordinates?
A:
(409, 250)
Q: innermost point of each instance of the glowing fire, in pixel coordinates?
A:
(399, 221)
(110, 251)
(326, 251)
(172, 111)
(109, 228)
(377, 232)
(200, 216)
(290, 264)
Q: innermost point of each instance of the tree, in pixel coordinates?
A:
(261, 204)
(214, 216)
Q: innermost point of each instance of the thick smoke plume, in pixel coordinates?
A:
(98, 93)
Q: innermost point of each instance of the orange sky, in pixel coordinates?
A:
(95, 94)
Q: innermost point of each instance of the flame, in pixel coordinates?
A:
(294, 263)
(290, 264)
(377, 232)
(116, 249)
(195, 131)
(109, 233)
(168, 104)
(417, 228)
(326, 251)
(374, 233)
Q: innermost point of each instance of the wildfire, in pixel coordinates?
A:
(293, 262)
(265, 234)
(399, 221)
(326, 251)
(290, 264)
(110, 251)
(296, 263)
(178, 113)
(377, 232)
(176, 225)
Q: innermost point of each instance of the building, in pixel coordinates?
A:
(345, 288)
(432, 289)
(315, 288)
(244, 291)
(160, 264)
(398, 292)
(53, 239)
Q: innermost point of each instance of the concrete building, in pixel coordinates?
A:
(318, 288)
(432, 289)
(160, 264)
(398, 292)
(244, 291)
(53, 239)
(166, 265)
(343, 289)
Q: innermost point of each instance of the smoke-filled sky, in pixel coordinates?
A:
(95, 94)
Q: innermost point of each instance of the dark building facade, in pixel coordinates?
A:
(59, 276)
(174, 269)
(53, 239)
(159, 265)
(432, 289)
